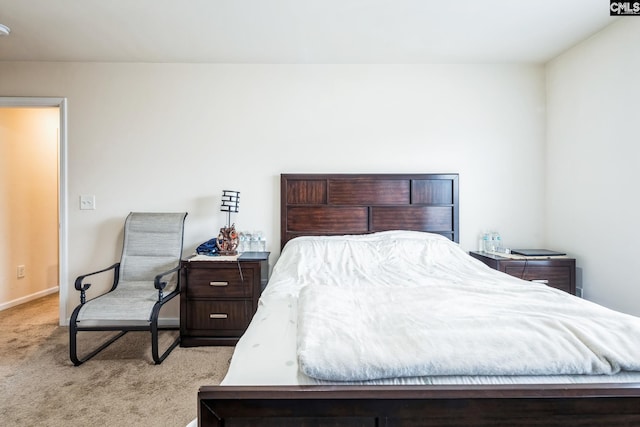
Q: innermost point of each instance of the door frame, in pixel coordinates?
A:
(63, 244)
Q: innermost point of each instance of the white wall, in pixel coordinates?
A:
(170, 137)
(593, 167)
(29, 203)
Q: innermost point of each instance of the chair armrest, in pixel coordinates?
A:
(158, 283)
(84, 286)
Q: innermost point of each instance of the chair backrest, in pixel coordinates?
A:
(152, 245)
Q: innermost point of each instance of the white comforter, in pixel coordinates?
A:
(407, 304)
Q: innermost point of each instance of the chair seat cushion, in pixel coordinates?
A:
(132, 301)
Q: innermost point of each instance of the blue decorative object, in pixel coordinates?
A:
(208, 248)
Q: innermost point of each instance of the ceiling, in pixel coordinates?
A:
(297, 31)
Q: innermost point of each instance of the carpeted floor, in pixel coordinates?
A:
(121, 386)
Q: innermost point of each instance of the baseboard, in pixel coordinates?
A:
(28, 298)
(168, 322)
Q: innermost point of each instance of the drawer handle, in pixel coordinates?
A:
(218, 283)
(218, 316)
(543, 281)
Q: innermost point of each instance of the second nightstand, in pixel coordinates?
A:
(218, 298)
(557, 272)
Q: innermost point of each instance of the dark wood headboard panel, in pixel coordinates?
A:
(336, 204)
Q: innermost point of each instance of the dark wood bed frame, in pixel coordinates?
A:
(330, 204)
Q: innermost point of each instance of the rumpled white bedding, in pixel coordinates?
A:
(460, 299)
(413, 305)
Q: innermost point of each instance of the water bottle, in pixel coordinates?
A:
(494, 242)
(486, 241)
(497, 242)
(241, 238)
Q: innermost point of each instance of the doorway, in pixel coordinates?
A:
(61, 182)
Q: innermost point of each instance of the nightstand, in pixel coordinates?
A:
(218, 298)
(557, 272)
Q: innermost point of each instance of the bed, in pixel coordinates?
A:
(291, 368)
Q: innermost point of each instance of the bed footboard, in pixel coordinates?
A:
(409, 406)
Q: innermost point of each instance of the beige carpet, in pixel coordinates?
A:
(121, 386)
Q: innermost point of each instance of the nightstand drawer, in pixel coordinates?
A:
(220, 283)
(219, 315)
(556, 277)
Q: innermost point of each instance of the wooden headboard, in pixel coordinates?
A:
(336, 204)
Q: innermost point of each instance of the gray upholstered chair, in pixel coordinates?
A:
(145, 278)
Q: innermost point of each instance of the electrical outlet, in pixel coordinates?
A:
(87, 202)
(20, 271)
